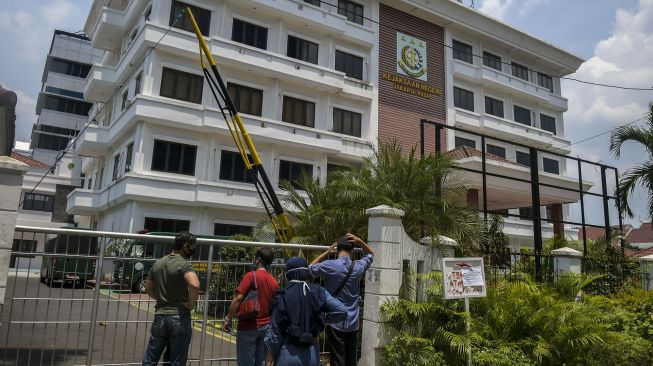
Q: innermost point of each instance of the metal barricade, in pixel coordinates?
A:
(75, 297)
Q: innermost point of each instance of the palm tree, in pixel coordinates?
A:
(428, 189)
(641, 174)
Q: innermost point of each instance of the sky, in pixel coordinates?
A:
(614, 36)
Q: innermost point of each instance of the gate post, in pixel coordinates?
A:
(383, 279)
(566, 260)
(11, 183)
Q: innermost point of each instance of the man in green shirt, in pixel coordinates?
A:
(172, 282)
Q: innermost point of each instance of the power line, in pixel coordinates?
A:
(482, 57)
(72, 142)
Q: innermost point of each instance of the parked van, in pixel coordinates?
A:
(133, 265)
(69, 258)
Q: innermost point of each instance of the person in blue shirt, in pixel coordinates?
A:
(342, 277)
(298, 316)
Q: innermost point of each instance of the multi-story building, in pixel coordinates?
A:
(315, 82)
(62, 113)
(301, 75)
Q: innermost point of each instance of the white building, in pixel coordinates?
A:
(62, 114)
(315, 81)
(165, 159)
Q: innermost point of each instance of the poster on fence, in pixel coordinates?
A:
(463, 278)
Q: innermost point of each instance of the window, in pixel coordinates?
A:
(82, 178)
(38, 202)
(292, 171)
(302, 49)
(522, 115)
(551, 166)
(71, 68)
(51, 137)
(494, 107)
(233, 168)
(247, 100)
(116, 167)
(137, 84)
(496, 150)
(132, 37)
(347, 122)
(202, 17)
(123, 102)
(463, 99)
(549, 211)
(249, 34)
(299, 112)
(66, 105)
(461, 141)
(503, 212)
(492, 61)
(181, 85)
(64, 92)
(462, 52)
(172, 157)
(548, 123)
(100, 178)
(230, 229)
(313, 2)
(545, 81)
(523, 158)
(353, 11)
(520, 71)
(153, 224)
(25, 246)
(526, 213)
(351, 65)
(147, 12)
(128, 157)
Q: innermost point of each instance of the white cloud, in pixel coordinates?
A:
(496, 8)
(623, 58)
(25, 115)
(499, 8)
(33, 30)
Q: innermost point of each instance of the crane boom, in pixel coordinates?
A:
(242, 139)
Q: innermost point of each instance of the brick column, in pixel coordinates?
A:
(11, 182)
(556, 214)
(472, 198)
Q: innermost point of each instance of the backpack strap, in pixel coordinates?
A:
(344, 281)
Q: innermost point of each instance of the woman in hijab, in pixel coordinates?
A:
(298, 316)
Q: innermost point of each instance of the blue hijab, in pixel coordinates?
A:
(301, 303)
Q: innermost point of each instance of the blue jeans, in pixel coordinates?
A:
(250, 348)
(171, 333)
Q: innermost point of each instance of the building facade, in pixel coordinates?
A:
(316, 82)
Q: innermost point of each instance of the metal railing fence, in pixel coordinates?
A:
(75, 297)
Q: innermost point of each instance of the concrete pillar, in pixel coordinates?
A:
(556, 214)
(383, 279)
(472, 198)
(566, 261)
(11, 182)
(647, 265)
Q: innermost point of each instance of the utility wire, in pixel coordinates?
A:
(93, 120)
(341, 9)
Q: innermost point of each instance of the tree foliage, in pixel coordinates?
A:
(427, 188)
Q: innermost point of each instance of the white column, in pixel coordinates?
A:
(11, 182)
(647, 265)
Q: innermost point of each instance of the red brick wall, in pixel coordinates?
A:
(399, 112)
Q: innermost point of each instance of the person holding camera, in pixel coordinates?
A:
(342, 277)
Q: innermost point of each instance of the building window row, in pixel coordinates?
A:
(464, 52)
(188, 87)
(61, 104)
(257, 36)
(71, 68)
(464, 99)
(38, 202)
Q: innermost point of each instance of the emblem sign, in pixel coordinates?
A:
(411, 56)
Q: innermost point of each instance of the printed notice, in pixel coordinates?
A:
(463, 278)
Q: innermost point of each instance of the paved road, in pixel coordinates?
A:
(51, 326)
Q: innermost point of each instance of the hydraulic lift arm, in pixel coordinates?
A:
(242, 139)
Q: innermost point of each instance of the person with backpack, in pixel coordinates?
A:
(342, 277)
(298, 317)
(251, 305)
